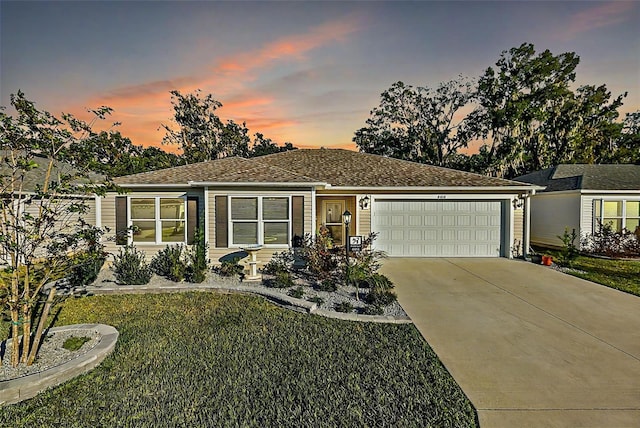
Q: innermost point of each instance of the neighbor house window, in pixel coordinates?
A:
(260, 220)
(158, 220)
(620, 214)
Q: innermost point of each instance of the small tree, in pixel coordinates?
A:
(43, 201)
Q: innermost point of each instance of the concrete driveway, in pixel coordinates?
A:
(531, 347)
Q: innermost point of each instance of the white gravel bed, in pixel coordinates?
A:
(51, 353)
(106, 278)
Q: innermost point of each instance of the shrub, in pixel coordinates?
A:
(130, 267)
(87, 264)
(169, 263)
(607, 242)
(229, 268)
(318, 254)
(198, 263)
(86, 268)
(316, 299)
(377, 280)
(379, 297)
(343, 307)
(569, 251)
(297, 292)
(327, 285)
(281, 280)
(373, 310)
(280, 262)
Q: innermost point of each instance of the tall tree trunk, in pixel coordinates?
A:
(15, 319)
(41, 324)
(26, 318)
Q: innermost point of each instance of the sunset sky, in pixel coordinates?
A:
(298, 71)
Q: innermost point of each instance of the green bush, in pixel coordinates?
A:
(327, 285)
(378, 297)
(373, 310)
(316, 299)
(86, 268)
(229, 268)
(281, 280)
(280, 262)
(377, 280)
(87, 264)
(198, 263)
(297, 292)
(343, 307)
(569, 251)
(130, 267)
(169, 263)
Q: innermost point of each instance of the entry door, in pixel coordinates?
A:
(332, 218)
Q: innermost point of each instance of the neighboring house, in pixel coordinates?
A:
(581, 197)
(418, 210)
(34, 179)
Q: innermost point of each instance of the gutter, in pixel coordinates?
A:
(441, 189)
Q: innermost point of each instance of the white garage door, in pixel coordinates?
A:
(413, 228)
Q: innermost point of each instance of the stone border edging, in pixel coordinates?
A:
(16, 390)
(278, 298)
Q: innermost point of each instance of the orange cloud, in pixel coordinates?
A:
(288, 47)
(143, 107)
(610, 13)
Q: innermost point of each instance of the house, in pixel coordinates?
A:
(582, 197)
(24, 186)
(417, 210)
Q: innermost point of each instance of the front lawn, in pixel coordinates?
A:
(208, 359)
(623, 275)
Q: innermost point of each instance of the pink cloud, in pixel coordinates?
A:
(609, 13)
(143, 107)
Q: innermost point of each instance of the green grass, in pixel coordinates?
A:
(75, 343)
(207, 359)
(623, 275)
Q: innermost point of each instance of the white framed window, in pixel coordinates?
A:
(260, 220)
(619, 214)
(158, 220)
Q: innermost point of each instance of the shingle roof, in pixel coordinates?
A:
(586, 177)
(35, 177)
(337, 167)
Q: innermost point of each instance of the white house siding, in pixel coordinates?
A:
(551, 213)
(364, 219)
(264, 255)
(108, 211)
(518, 232)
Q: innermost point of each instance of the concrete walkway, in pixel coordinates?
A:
(530, 346)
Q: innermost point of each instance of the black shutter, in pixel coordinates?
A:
(222, 234)
(297, 222)
(192, 218)
(121, 220)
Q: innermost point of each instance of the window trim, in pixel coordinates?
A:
(260, 220)
(158, 221)
(598, 217)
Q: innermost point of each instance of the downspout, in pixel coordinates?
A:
(527, 223)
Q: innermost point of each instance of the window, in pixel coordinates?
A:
(619, 214)
(159, 220)
(260, 220)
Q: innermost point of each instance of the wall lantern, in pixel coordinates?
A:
(364, 203)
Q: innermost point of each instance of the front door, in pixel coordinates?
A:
(332, 218)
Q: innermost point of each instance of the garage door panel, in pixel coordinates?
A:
(438, 228)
